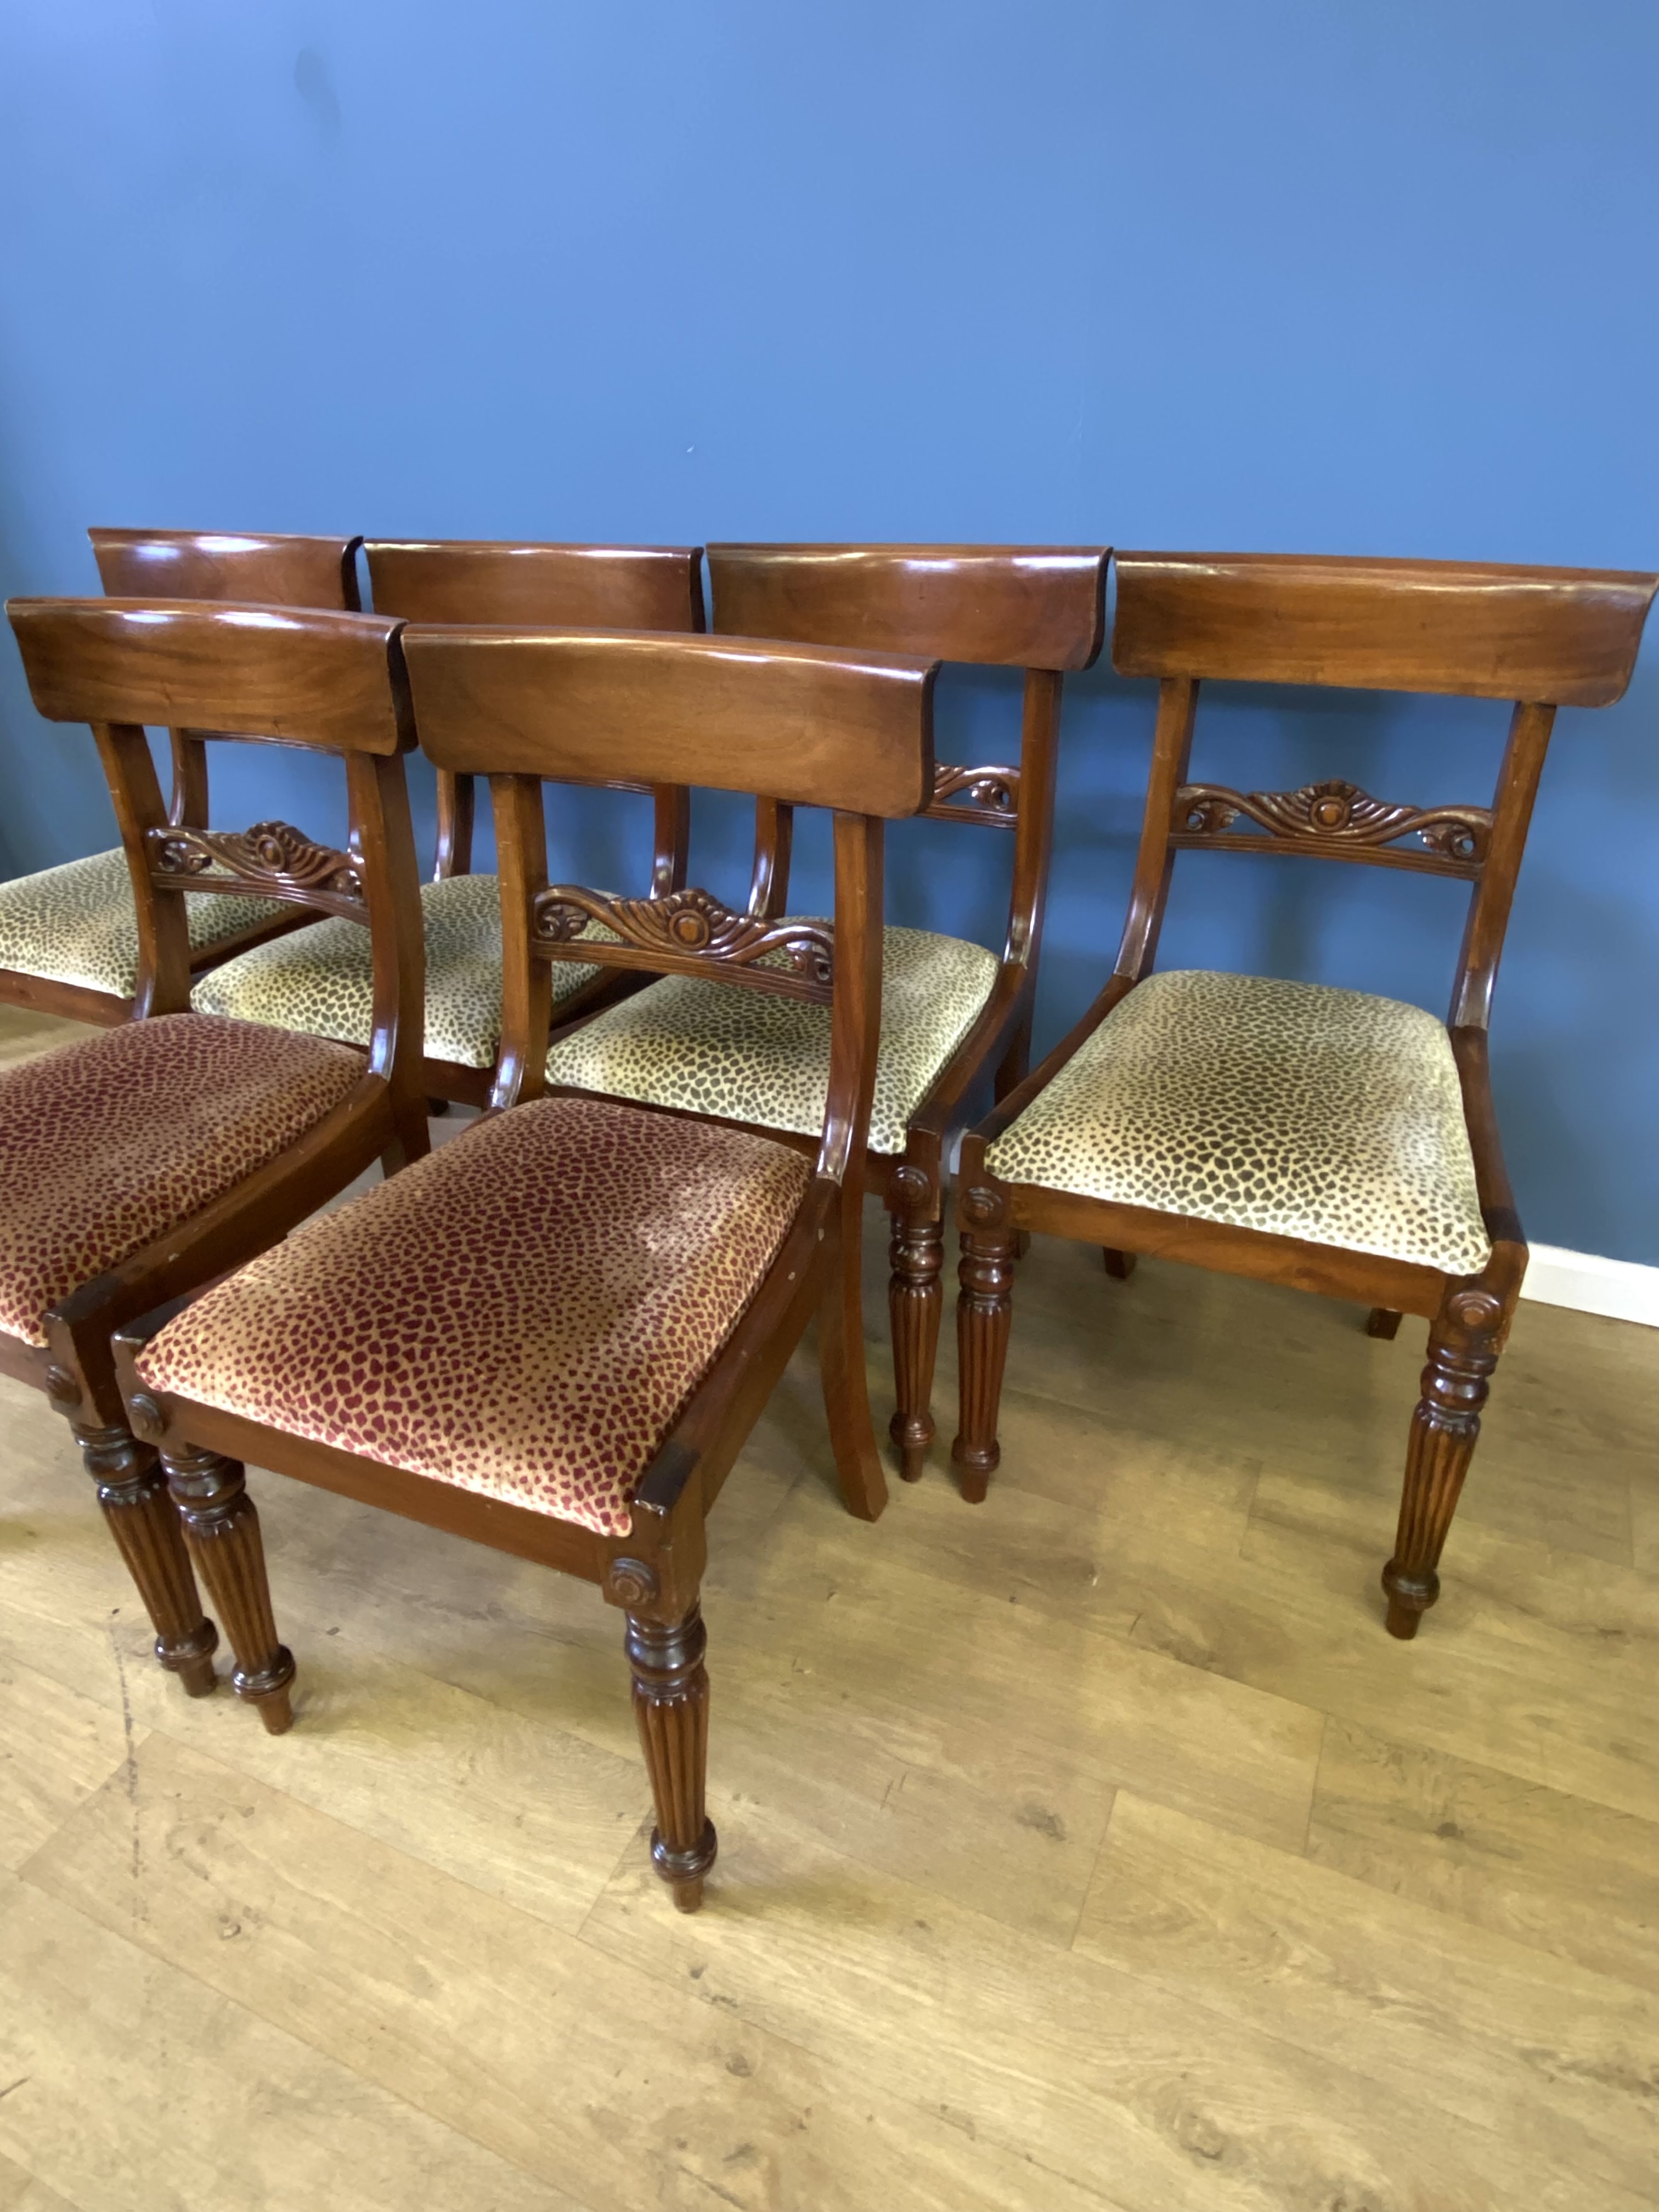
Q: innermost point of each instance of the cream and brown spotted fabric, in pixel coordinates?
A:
(1325, 1115)
(321, 979)
(77, 924)
(525, 1314)
(719, 1048)
(108, 1142)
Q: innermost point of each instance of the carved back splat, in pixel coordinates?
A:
(687, 932)
(1334, 821)
(335, 683)
(271, 860)
(1539, 637)
(1038, 608)
(988, 796)
(864, 750)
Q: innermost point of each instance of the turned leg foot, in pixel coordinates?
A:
(1444, 1428)
(671, 1705)
(984, 1316)
(1120, 1265)
(140, 1516)
(222, 1530)
(1383, 1321)
(916, 1300)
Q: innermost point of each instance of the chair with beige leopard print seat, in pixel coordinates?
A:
(1326, 1139)
(555, 1334)
(957, 1014)
(319, 981)
(143, 1160)
(69, 935)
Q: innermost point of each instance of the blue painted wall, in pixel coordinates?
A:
(1293, 274)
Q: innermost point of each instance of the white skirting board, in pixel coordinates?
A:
(1623, 1289)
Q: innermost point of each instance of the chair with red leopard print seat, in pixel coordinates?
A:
(142, 1161)
(555, 1334)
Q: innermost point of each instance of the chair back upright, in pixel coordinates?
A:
(655, 587)
(1038, 608)
(285, 676)
(808, 726)
(203, 564)
(1540, 638)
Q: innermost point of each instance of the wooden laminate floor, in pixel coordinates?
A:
(1091, 1848)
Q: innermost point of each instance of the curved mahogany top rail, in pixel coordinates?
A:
(1550, 636)
(191, 564)
(499, 581)
(295, 674)
(812, 725)
(1014, 606)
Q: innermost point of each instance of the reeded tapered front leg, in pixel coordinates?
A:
(984, 1316)
(915, 1301)
(140, 1516)
(1462, 1355)
(671, 1704)
(222, 1530)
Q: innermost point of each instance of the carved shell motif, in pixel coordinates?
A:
(272, 856)
(693, 922)
(1337, 812)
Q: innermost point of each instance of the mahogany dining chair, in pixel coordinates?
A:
(957, 1014)
(555, 1334)
(142, 1161)
(1328, 1138)
(318, 980)
(69, 937)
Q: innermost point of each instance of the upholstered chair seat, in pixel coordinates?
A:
(77, 924)
(321, 979)
(712, 1048)
(1325, 1115)
(525, 1314)
(108, 1142)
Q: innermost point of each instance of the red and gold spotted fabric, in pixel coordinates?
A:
(108, 1143)
(523, 1314)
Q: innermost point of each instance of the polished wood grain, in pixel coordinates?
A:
(1562, 637)
(656, 587)
(453, 580)
(205, 564)
(816, 727)
(1017, 606)
(1126, 1883)
(1537, 636)
(295, 675)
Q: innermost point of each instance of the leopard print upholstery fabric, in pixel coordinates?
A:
(523, 1314)
(109, 1142)
(717, 1049)
(1325, 1115)
(76, 925)
(321, 979)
